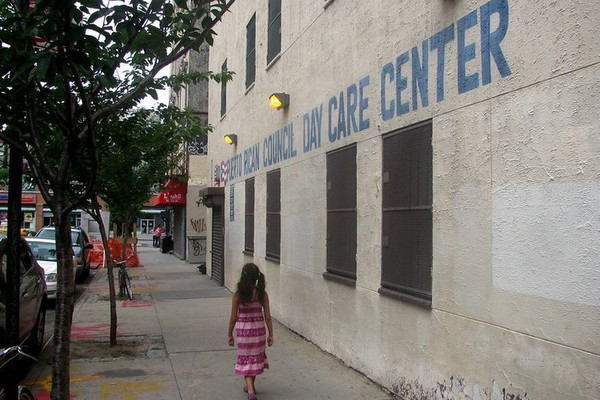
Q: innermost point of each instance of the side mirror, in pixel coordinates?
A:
(88, 246)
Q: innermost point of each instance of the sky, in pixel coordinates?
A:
(163, 95)
(149, 102)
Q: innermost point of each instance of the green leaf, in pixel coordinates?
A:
(168, 10)
(155, 6)
(103, 12)
(42, 66)
(96, 4)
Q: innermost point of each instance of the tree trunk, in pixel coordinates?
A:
(64, 308)
(125, 232)
(97, 215)
(13, 271)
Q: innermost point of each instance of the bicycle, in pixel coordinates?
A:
(124, 280)
(9, 354)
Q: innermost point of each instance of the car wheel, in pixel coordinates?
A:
(80, 274)
(25, 393)
(36, 338)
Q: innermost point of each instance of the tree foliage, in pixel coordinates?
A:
(66, 67)
(97, 57)
(131, 165)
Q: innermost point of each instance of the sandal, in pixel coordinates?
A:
(252, 396)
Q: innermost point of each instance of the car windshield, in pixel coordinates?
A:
(46, 234)
(43, 251)
(50, 234)
(75, 238)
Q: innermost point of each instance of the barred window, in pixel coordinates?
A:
(251, 51)
(274, 30)
(341, 214)
(274, 215)
(223, 91)
(407, 214)
(249, 217)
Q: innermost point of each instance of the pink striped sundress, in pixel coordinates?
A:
(251, 340)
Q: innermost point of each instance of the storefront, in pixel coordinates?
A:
(31, 209)
(173, 198)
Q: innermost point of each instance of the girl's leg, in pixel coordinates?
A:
(250, 384)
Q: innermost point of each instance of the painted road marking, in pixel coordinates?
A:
(128, 390)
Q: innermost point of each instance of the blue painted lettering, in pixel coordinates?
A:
(401, 84)
(348, 111)
(279, 146)
(438, 42)
(316, 121)
(387, 109)
(290, 137)
(234, 167)
(342, 129)
(363, 123)
(352, 99)
(420, 75)
(466, 53)
(306, 133)
(252, 159)
(490, 41)
(347, 105)
(312, 129)
(332, 131)
(396, 75)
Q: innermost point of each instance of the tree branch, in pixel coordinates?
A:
(177, 51)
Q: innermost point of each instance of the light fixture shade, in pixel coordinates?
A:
(230, 139)
(279, 100)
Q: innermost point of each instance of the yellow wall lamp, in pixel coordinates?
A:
(279, 100)
(230, 139)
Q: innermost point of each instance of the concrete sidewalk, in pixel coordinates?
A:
(173, 345)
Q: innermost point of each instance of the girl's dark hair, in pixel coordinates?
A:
(251, 278)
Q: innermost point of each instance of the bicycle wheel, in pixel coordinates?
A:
(128, 291)
(25, 393)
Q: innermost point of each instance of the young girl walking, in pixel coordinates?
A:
(249, 313)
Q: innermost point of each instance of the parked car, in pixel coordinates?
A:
(32, 293)
(81, 248)
(44, 251)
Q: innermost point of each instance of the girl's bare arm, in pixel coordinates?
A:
(232, 318)
(268, 320)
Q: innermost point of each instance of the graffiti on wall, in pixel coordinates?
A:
(199, 146)
(456, 389)
(198, 247)
(412, 81)
(221, 174)
(198, 225)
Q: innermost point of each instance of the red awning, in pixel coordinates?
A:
(174, 193)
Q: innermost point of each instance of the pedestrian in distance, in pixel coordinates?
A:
(250, 313)
(156, 232)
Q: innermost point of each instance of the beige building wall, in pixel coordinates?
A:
(194, 97)
(196, 213)
(516, 188)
